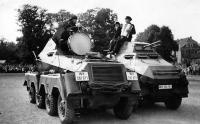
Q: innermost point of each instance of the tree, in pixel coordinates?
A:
(149, 35)
(167, 43)
(36, 29)
(99, 22)
(60, 17)
(8, 51)
(154, 33)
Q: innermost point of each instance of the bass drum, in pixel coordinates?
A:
(80, 43)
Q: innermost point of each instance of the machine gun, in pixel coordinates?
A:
(154, 44)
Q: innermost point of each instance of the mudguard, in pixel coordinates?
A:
(72, 86)
(51, 81)
(31, 78)
(65, 83)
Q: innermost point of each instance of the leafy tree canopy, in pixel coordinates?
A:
(8, 51)
(154, 33)
(36, 29)
(99, 22)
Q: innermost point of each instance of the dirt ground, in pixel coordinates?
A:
(16, 109)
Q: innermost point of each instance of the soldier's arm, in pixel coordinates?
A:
(57, 36)
(133, 31)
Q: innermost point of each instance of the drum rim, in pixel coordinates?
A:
(78, 33)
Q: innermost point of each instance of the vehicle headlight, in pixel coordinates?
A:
(81, 76)
(131, 76)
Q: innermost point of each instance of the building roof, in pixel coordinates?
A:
(184, 41)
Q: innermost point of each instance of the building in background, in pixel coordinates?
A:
(189, 52)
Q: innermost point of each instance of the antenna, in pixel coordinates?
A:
(34, 55)
(59, 63)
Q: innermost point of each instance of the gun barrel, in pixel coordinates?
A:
(153, 44)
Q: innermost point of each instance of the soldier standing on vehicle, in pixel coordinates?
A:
(128, 30)
(63, 32)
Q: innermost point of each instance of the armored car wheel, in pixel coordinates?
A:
(173, 102)
(40, 100)
(123, 109)
(65, 111)
(32, 94)
(51, 105)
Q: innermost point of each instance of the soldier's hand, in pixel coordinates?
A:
(128, 30)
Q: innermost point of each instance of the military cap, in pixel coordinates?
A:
(128, 17)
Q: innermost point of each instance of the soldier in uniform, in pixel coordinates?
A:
(128, 30)
(63, 32)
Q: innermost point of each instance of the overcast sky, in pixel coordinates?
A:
(182, 16)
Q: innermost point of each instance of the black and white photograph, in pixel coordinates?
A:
(99, 62)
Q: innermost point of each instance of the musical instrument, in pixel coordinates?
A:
(126, 30)
(80, 43)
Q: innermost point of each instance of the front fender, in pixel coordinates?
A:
(72, 86)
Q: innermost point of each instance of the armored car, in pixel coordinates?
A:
(160, 81)
(65, 84)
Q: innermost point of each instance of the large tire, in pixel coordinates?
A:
(40, 100)
(173, 102)
(123, 109)
(66, 112)
(51, 105)
(32, 94)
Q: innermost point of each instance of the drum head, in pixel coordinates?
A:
(80, 43)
